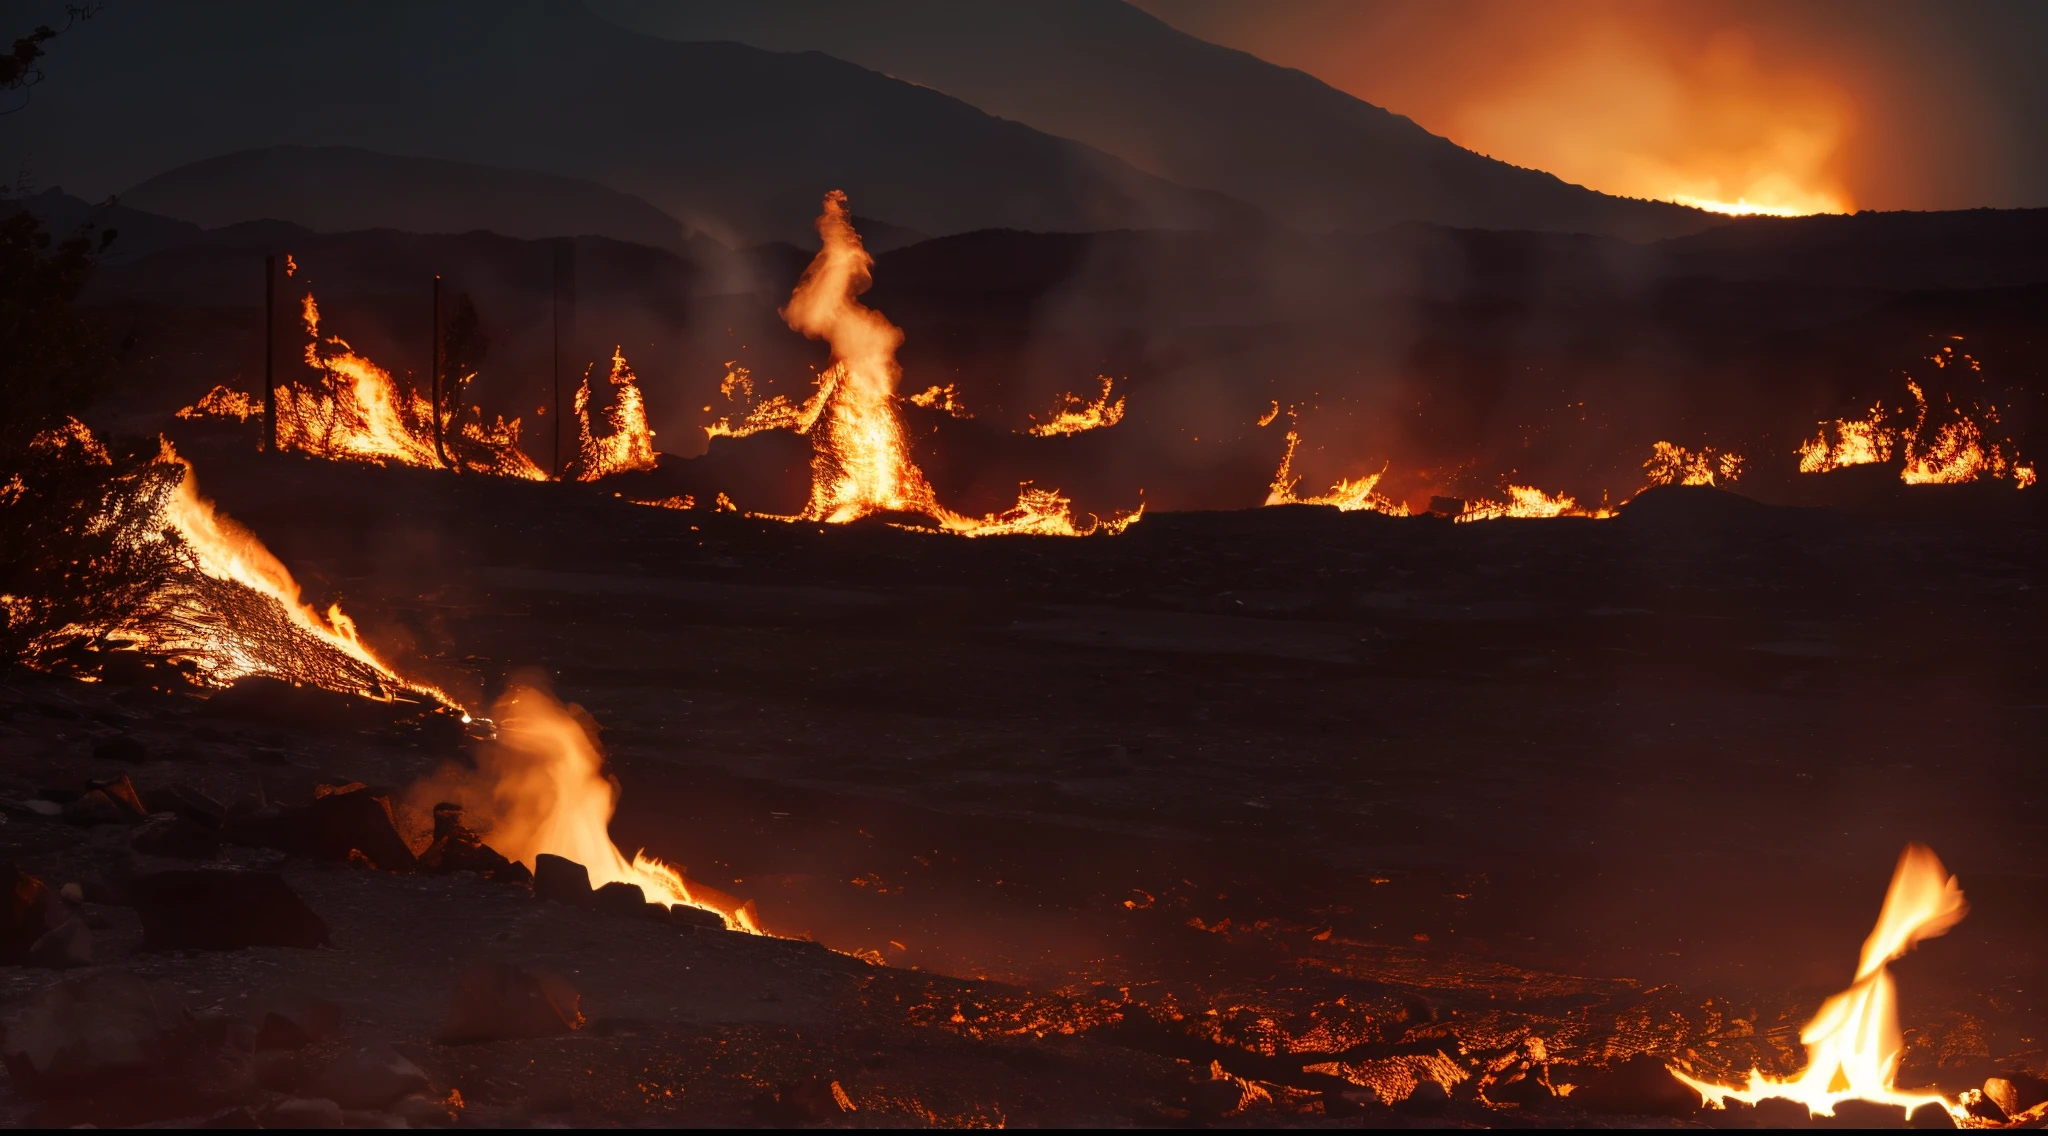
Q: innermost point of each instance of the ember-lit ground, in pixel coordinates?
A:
(1325, 797)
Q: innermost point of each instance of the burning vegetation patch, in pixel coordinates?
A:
(146, 565)
(1929, 449)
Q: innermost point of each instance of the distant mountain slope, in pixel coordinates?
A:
(732, 140)
(1112, 76)
(332, 189)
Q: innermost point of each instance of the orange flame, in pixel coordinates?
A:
(1529, 502)
(357, 412)
(1952, 454)
(1853, 1045)
(1075, 415)
(943, 398)
(1347, 495)
(1675, 465)
(236, 611)
(629, 444)
(550, 794)
(861, 463)
(224, 402)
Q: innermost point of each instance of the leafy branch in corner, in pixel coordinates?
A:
(18, 70)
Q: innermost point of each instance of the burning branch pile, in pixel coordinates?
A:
(163, 574)
(354, 410)
(861, 464)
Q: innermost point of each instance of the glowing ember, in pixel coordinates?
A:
(1347, 495)
(1952, 454)
(1675, 465)
(861, 463)
(1075, 415)
(1853, 1045)
(543, 783)
(629, 443)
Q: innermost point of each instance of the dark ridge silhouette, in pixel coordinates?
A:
(732, 141)
(332, 189)
(1105, 73)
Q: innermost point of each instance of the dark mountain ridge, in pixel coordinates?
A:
(733, 141)
(1112, 76)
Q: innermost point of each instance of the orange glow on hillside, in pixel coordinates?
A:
(1712, 126)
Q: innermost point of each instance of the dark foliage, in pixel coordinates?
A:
(52, 355)
(18, 70)
(77, 558)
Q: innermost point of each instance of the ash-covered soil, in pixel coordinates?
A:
(1236, 818)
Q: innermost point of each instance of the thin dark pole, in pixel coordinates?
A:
(565, 332)
(434, 364)
(269, 439)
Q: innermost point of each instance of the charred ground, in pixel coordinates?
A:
(1275, 789)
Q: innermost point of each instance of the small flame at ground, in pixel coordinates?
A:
(543, 783)
(1347, 495)
(1528, 502)
(1853, 1045)
(1077, 415)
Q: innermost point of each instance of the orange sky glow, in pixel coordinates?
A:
(1735, 105)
